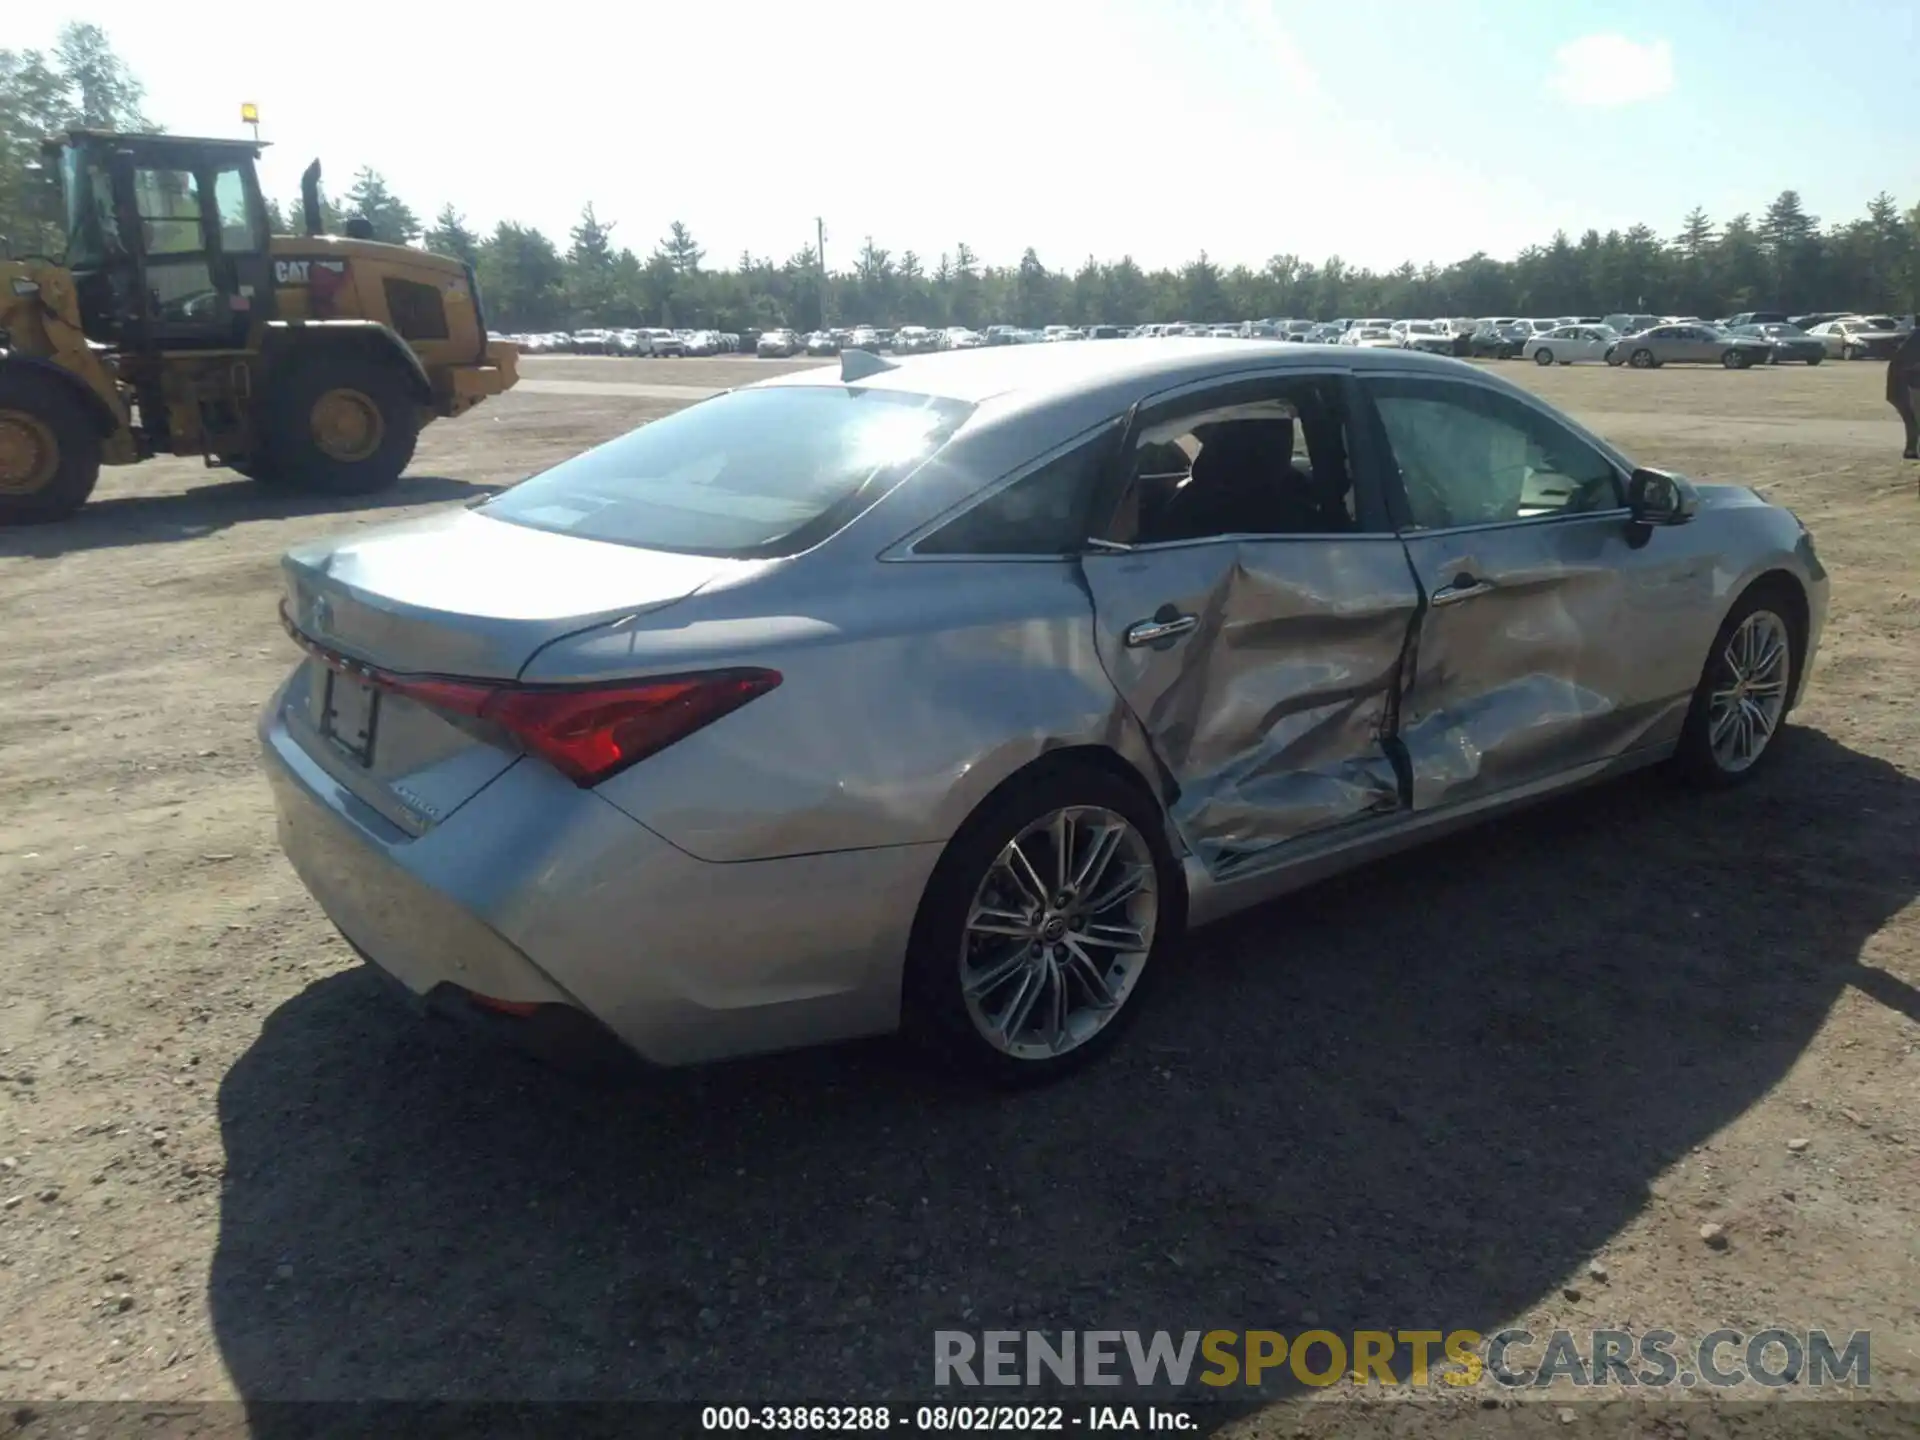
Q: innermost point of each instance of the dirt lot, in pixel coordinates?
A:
(1432, 1094)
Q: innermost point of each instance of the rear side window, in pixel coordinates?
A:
(752, 473)
(1044, 512)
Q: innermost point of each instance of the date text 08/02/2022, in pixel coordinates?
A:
(1004, 1419)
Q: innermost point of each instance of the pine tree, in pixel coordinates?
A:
(450, 236)
(680, 250)
(1696, 234)
(392, 218)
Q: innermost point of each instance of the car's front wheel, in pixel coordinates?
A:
(1744, 690)
(1042, 924)
(1543, 357)
(1736, 360)
(1641, 359)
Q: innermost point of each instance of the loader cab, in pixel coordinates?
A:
(167, 239)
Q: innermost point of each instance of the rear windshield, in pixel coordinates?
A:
(748, 474)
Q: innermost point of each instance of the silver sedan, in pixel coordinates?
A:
(1689, 344)
(943, 695)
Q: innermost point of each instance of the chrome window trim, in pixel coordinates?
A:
(1255, 537)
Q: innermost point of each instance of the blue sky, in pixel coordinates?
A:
(1380, 130)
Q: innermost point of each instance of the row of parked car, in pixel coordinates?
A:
(654, 341)
(1638, 340)
(1649, 341)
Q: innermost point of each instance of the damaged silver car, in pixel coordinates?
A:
(944, 694)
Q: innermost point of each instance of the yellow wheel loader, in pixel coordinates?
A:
(177, 325)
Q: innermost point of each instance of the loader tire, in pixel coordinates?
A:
(49, 449)
(338, 424)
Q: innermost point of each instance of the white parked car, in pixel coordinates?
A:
(959, 337)
(1431, 336)
(1569, 344)
(914, 340)
(1860, 337)
(1371, 337)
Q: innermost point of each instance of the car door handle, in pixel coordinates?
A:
(1463, 587)
(1152, 632)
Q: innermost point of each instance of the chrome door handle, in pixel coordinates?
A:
(1464, 587)
(1152, 632)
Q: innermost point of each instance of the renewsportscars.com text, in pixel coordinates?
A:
(1656, 1359)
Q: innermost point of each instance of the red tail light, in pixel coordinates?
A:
(587, 732)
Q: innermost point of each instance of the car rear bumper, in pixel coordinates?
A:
(538, 893)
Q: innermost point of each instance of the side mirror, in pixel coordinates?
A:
(1657, 497)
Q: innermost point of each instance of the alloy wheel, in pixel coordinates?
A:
(1059, 932)
(1749, 693)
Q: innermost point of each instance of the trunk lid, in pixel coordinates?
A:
(453, 594)
(462, 594)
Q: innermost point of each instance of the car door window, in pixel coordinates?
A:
(1273, 464)
(1468, 455)
(1040, 513)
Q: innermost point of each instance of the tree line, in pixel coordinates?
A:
(1783, 258)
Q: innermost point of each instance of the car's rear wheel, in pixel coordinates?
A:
(1744, 690)
(1042, 925)
(1815, 359)
(1641, 359)
(1543, 357)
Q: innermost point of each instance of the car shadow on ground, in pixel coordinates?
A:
(1420, 1095)
(118, 521)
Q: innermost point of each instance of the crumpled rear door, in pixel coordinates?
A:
(1264, 671)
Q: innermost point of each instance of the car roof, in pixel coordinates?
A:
(1041, 371)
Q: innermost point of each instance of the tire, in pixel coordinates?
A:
(376, 424)
(1642, 359)
(1543, 357)
(49, 448)
(1736, 360)
(1815, 359)
(937, 1011)
(1767, 609)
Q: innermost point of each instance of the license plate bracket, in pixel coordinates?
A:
(350, 715)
